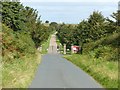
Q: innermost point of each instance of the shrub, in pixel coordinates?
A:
(15, 44)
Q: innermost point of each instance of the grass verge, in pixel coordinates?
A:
(20, 73)
(45, 46)
(0, 63)
(105, 72)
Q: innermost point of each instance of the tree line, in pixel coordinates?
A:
(89, 30)
(22, 29)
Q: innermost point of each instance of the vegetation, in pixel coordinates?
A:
(45, 46)
(20, 73)
(99, 38)
(22, 33)
(64, 36)
(105, 72)
(90, 30)
(20, 18)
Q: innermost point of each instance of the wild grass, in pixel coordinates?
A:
(20, 73)
(45, 46)
(103, 71)
(0, 72)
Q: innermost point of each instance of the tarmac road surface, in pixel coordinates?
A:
(56, 72)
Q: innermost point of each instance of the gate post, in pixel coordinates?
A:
(72, 49)
(64, 48)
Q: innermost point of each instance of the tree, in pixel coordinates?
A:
(66, 34)
(12, 15)
(96, 23)
(24, 19)
(113, 25)
(82, 32)
(54, 25)
(47, 21)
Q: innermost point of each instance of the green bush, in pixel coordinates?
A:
(24, 43)
(15, 44)
(105, 53)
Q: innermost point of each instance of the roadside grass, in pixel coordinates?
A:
(0, 65)
(19, 73)
(0, 72)
(103, 71)
(45, 46)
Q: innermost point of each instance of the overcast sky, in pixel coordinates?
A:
(71, 11)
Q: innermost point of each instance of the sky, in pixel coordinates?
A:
(71, 11)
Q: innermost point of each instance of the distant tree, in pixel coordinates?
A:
(5, 0)
(53, 23)
(82, 32)
(66, 34)
(15, 0)
(47, 21)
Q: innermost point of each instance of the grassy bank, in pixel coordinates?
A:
(20, 73)
(105, 72)
(0, 73)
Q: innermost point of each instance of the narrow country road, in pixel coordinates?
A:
(56, 72)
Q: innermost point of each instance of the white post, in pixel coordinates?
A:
(64, 48)
(72, 49)
(60, 47)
